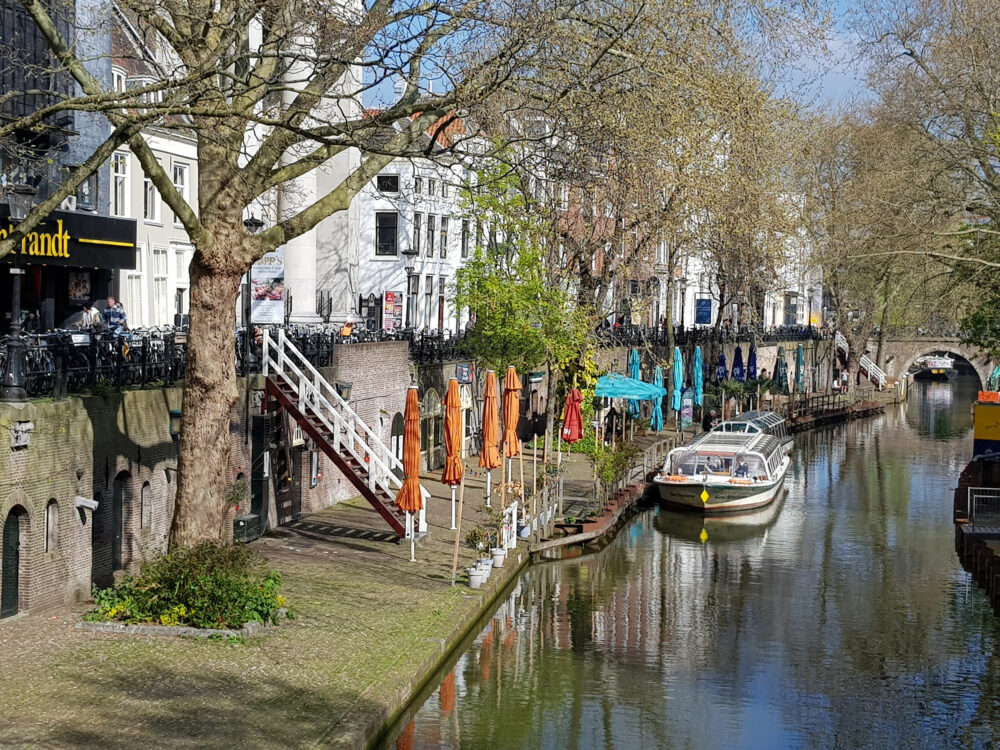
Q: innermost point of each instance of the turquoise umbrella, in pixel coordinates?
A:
(678, 381)
(656, 421)
(800, 369)
(634, 372)
(698, 376)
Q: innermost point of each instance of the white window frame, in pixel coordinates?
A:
(150, 202)
(119, 183)
(181, 187)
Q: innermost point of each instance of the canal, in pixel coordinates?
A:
(837, 618)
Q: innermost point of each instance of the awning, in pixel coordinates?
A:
(615, 385)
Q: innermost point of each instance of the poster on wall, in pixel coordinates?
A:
(392, 311)
(79, 286)
(267, 289)
(687, 410)
(703, 312)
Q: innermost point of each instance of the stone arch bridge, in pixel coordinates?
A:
(898, 354)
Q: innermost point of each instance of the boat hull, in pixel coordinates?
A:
(937, 373)
(721, 498)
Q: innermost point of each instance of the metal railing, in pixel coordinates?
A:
(983, 507)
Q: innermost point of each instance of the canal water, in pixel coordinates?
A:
(837, 618)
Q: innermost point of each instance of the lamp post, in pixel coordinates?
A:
(253, 225)
(20, 201)
(409, 261)
(682, 284)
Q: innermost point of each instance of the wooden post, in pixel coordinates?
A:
(458, 532)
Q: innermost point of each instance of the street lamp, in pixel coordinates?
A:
(409, 261)
(253, 225)
(20, 201)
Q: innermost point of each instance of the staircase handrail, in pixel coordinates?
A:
(875, 372)
(841, 342)
(380, 454)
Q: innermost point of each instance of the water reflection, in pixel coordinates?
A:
(943, 409)
(841, 619)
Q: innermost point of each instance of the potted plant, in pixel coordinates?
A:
(476, 577)
(496, 519)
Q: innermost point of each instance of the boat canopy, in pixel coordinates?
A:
(616, 385)
(727, 454)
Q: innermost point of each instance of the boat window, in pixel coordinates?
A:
(683, 463)
(754, 467)
(714, 464)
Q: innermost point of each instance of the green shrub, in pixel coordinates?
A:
(208, 586)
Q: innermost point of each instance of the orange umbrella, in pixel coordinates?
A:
(452, 473)
(511, 412)
(452, 435)
(408, 498)
(490, 456)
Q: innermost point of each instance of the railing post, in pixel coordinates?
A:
(266, 348)
(968, 507)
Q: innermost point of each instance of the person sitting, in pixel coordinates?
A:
(742, 470)
(31, 323)
(715, 464)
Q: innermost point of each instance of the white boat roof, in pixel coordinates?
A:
(762, 419)
(732, 442)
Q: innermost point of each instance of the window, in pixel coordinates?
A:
(387, 183)
(418, 226)
(118, 80)
(119, 186)
(431, 230)
(444, 236)
(150, 201)
(418, 185)
(441, 303)
(51, 526)
(479, 235)
(181, 185)
(431, 186)
(181, 257)
(86, 193)
(444, 189)
(412, 289)
(465, 238)
(313, 468)
(428, 301)
(386, 232)
(145, 507)
(159, 311)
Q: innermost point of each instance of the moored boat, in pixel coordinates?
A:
(935, 368)
(724, 471)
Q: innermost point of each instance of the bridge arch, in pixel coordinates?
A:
(899, 355)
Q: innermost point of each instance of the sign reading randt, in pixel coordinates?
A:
(68, 238)
(267, 289)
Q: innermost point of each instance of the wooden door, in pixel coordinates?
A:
(9, 603)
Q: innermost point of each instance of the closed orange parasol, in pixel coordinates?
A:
(511, 413)
(490, 457)
(452, 473)
(408, 498)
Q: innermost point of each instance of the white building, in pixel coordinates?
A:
(413, 239)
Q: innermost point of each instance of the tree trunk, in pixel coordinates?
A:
(210, 394)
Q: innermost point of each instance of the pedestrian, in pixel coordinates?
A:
(114, 316)
(708, 421)
(30, 324)
(92, 318)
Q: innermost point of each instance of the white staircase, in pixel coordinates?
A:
(358, 451)
(875, 373)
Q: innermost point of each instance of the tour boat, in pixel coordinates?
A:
(935, 368)
(753, 422)
(724, 471)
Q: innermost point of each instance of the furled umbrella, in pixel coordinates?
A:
(781, 370)
(409, 499)
(511, 415)
(698, 376)
(489, 458)
(800, 369)
(656, 420)
(738, 372)
(572, 429)
(752, 363)
(678, 379)
(634, 372)
(721, 371)
(453, 469)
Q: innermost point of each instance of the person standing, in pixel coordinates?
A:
(708, 421)
(114, 316)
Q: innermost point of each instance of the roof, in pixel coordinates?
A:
(733, 442)
(762, 419)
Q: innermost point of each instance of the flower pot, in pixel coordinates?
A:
(499, 556)
(476, 577)
(486, 565)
